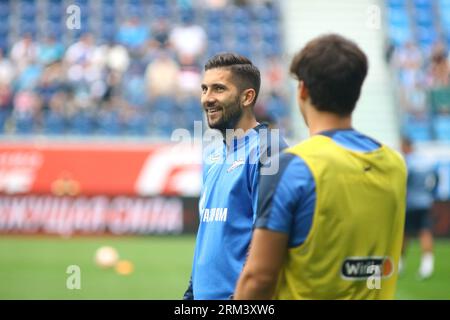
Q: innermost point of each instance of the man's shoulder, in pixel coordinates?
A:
(268, 142)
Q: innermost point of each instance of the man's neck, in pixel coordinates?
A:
(325, 121)
(246, 123)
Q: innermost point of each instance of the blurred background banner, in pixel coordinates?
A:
(100, 168)
(68, 216)
(88, 188)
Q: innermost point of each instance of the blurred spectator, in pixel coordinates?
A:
(188, 39)
(50, 51)
(29, 77)
(133, 34)
(26, 104)
(113, 86)
(134, 86)
(161, 75)
(7, 70)
(439, 71)
(24, 52)
(160, 32)
(414, 100)
(79, 57)
(216, 4)
(113, 56)
(408, 60)
(189, 76)
(81, 52)
(273, 79)
(52, 81)
(58, 103)
(6, 95)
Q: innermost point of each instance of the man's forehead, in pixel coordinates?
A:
(217, 75)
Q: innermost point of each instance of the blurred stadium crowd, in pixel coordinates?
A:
(419, 34)
(133, 68)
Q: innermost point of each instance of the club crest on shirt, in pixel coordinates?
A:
(215, 157)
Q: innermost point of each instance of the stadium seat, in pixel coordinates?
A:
(239, 15)
(418, 130)
(82, 123)
(215, 32)
(108, 124)
(137, 125)
(242, 48)
(398, 17)
(191, 112)
(266, 14)
(444, 8)
(214, 47)
(4, 115)
(424, 18)
(160, 124)
(276, 107)
(3, 43)
(399, 35)
(391, 4)
(441, 124)
(54, 123)
(164, 104)
(214, 17)
(242, 33)
(28, 9)
(24, 124)
(423, 4)
(426, 37)
(4, 9)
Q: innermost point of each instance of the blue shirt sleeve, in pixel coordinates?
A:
(286, 200)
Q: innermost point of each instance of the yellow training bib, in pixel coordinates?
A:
(353, 248)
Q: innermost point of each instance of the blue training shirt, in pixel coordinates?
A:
(287, 200)
(227, 211)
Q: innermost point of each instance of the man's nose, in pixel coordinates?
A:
(208, 99)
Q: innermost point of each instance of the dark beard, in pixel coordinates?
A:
(230, 118)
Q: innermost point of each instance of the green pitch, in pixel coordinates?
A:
(35, 268)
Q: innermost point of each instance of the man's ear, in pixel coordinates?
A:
(248, 97)
(302, 91)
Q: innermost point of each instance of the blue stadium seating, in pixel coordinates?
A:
(24, 124)
(137, 125)
(109, 124)
(251, 30)
(418, 130)
(54, 123)
(396, 4)
(82, 123)
(4, 115)
(441, 125)
(424, 18)
(423, 4)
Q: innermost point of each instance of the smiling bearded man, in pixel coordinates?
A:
(231, 172)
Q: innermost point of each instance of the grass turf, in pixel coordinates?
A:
(35, 268)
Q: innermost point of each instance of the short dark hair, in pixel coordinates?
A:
(333, 70)
(243, 70)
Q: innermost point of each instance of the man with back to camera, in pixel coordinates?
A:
(330, 222)
(231, 174)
